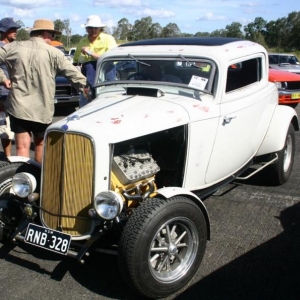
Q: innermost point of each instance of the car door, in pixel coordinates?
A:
(246, 109)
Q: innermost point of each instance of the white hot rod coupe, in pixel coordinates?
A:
(128, 172)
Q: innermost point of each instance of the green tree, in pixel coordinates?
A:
(22, 34)
(68, 32)
(234, 30)
(271, 34)
(293, 31)
(170, 30)
(122, 30)
(60, 26)
(75, 39)
(202, 33)
(255, 30)
(155, 31)
(189, 34)
(140, 29)
(219, 33)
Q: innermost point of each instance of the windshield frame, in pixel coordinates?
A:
(179, 63)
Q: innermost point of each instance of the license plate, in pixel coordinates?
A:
(295, 96)
(49, 239)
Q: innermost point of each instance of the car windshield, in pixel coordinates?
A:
(196, 74)
(283, 59)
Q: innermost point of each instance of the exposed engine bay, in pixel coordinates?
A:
(155, 159)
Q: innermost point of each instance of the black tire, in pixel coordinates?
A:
(3, 163)
(151, 264)
(10, 210)
(282, 169)
(293, 105)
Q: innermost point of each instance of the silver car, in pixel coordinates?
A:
(285, 62)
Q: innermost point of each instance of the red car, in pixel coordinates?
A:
(288, 85)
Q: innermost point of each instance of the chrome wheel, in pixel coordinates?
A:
(173, 250)
(287, 156)
(162, 245)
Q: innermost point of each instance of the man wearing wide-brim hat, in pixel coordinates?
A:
(90, 48)
(32, 68)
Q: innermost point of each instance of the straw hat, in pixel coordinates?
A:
(93, 21)
(43, 24)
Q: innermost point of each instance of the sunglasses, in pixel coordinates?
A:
(52, 33)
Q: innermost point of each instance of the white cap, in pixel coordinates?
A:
(93, 21)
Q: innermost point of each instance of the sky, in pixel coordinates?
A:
(191, 16)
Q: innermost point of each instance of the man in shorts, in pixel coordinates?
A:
(33, 66)
(8, 31)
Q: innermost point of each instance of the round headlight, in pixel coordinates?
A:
(278, 85)
(108, 204)
(23, 184)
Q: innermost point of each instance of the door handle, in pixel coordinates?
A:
(227, 120)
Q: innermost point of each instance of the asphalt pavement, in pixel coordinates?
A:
(254, 253)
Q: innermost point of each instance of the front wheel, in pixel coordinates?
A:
(283, 167)
(11, 211)
(162, 246)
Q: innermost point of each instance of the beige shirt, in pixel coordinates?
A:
(33, 66)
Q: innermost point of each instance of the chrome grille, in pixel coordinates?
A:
(67, 182)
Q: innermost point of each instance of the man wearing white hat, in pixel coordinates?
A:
(32, 66)
(90, 48)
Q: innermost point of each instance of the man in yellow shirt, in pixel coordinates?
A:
(90, 48)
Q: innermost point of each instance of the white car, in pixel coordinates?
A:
(284, 62)
(128, 172)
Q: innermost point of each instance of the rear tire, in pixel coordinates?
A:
(293, 105)
(162, 246)
(282, 169)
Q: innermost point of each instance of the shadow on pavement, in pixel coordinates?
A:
(270, 271)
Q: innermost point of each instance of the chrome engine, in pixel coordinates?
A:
(134, 166)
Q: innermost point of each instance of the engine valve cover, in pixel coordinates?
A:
(130, 168)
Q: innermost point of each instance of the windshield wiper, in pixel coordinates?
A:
(186, 60)
(138, 61)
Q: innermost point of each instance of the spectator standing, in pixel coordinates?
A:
(90, 48)
(8, 30)
(32, 66)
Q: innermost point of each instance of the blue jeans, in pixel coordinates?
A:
(83, 101)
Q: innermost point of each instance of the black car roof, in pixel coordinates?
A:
(197, 41)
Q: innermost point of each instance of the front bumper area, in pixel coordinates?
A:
(77, 250)
(288, 96)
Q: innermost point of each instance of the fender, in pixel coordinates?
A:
(16, 159)
(275, 137)
(169, 192)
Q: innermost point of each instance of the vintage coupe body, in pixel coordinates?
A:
(128, 173)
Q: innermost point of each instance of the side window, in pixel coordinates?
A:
(243, 74)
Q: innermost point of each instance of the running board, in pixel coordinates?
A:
(263, 165)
